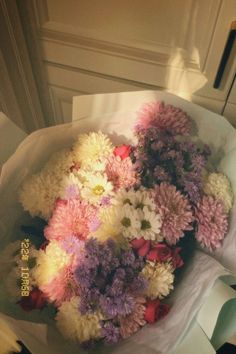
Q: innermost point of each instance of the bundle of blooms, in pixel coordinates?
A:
(116, 218)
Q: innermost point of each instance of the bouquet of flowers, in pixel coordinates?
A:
(117, 225)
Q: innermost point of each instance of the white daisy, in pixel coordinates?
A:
(139, 199)
(125, 197)
(149, 224)
(143, 199)
(96, 187)
(129, 221)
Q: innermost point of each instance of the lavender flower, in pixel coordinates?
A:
(127, 258)
(121, 305)
(108, 280)
(138, 285)
(110, 332)
(85, 275)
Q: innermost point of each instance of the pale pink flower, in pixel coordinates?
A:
(121, 172)
(157, 114)
(70, 217)
(61, 288)
(212, 222)
(175, 211)
(131, 323)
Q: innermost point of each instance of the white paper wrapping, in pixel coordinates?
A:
(199, 278)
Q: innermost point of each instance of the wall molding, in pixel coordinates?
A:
(52, 31)
(139, 50)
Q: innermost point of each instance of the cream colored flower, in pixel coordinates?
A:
(40, 191)
(96, 187)
(160, 279)
(129, 221)
(91, 150)
(75, 326)
(123, 197)
(49, 262)
(218, 185)
(60, 162)
(150, 224)
(110, 226)
(139, 199)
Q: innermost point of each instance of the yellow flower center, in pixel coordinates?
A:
(98, 190)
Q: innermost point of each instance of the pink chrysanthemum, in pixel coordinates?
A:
(61, 288)
(175, 212)
(131, 323)
(212, 223)
(121, 172)
(161, 116)
(70, 217)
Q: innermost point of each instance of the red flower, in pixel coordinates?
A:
(123, 151)
(160, 252)
(137, 243)
(142, 246)
(142, 251)
(152, 255)
(35, 300)
(155, 310)
(177, 261)
(152, 307)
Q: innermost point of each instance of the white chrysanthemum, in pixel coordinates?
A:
(75, 326)
(96, 187)
(129, 221)
(71, 184)
(32, 196)
(110, 226)
(139, 199)
(60, 162)
(49, 263)
(218, 185)
(160, 279)
(91, 150)
(150, 224)
(39, 192)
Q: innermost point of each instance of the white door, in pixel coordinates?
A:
(100, 46)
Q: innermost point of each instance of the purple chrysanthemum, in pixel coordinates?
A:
(164, 117)
(212, 222)
(175, 211)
